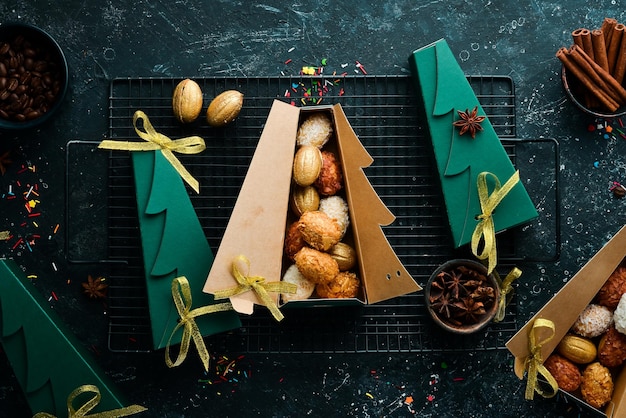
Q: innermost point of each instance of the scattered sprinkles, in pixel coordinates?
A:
(315, 84)
(227, 370)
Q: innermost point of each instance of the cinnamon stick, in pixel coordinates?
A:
(582, 38)
(599, 48)
(608, 83)
(586, 80)
(620, 63)
(607, 29)
(614, 45)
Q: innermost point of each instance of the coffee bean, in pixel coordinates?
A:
(13, 62)
(40, 66)
(20, 117)
(13, 83)
(3, 70)
(25, 77)
(4, 48)
(33, 114)
(4, 95)
(21, 89)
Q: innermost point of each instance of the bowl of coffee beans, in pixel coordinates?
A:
(33, 76)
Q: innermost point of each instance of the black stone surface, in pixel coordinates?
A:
(112, 38)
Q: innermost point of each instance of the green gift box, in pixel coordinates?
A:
(460, 158)
(48, 361)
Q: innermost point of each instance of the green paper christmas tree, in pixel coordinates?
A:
(460, 158)
(47, 360)
(174, 245)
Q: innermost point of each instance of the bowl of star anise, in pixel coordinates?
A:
(461, 297)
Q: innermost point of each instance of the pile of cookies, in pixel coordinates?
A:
(318, 246)
(589, 357)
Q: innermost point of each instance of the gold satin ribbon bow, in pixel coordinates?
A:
(485, 230)
(534, 363)
(90, 404)
(181, 293)
(157, 141)
(258, 285)
(505, 288)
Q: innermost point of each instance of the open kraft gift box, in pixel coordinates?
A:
(261, 215)
(563, 310)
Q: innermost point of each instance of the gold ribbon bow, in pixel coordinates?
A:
(181, 293)
(534, 363)
(258, 285)
(90, 404)
(157, 141)
(485, 230)
(505, 288)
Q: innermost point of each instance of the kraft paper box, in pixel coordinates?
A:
(260, 217)
(565, 306)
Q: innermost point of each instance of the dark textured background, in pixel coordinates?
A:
(110, 38)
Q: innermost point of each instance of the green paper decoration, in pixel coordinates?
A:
(459, 158)
(48, 361)
(174, 245)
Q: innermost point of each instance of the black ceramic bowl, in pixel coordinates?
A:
(33, 76)
(483, 319)
(575, 92)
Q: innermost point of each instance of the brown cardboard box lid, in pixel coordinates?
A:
(256, 227)
(564, 307)
(383, 274)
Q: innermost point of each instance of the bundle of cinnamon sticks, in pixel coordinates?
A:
(598, 60)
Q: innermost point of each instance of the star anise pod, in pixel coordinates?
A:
(484, 294)
(469, 122)
(470, 310)
(455, 283)
(443, 305)
(95, 288)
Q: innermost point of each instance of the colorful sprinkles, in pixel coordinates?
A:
(314, 85)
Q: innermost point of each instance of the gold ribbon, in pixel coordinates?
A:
(181, 293)
(90, 404)
(258, 285)
(505, 288)
(485, 230)
(534, 363)
(157, 141)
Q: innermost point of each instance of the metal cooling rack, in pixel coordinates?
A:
(383, 112)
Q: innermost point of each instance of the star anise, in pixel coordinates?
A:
(455, 283)
(469, 122)
(5, 161)
(483, 294)
(95, 288)
(443, 304)
(470, 310)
